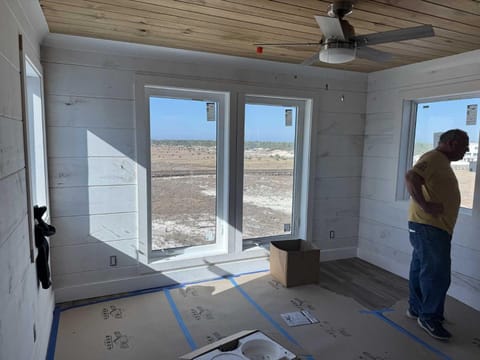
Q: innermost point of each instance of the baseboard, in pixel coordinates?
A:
(339, 253)
(159, 279)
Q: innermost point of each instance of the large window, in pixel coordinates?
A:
(269, 167)
(219, 174)
(186, 171)
(431, 119)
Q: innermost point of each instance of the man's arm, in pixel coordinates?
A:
(414, 186)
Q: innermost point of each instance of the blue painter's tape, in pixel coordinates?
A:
(52, 343)
(379, 314)
(182, 325)
(157, 289)
(266, 315)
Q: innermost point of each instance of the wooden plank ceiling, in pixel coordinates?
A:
(232, 27)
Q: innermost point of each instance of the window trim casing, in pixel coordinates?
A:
(300, 166)
(144, 185)
(24, 59)
(409, 117)
(237, 91)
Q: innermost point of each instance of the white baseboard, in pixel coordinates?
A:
(339, 253)
(159, 279)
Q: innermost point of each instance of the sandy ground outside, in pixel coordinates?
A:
(184, 194)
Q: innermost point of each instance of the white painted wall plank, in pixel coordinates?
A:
(14, 260)
(188, 64)
(380, 123)
(14, 203)
(89, 112)
(341, 123)
(94, 256)
(380, 146)
(10, 98)
(8, 36)
(76, 230)
(340, 145)
(92, 171)
(91, 82)
(334, 188)
(93, 200)
(81, 142)
(333, 166)
(11, 146)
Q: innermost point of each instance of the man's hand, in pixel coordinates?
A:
(414, 186)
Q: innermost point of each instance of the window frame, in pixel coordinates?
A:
(409, 117)
(145, 215)
(297, 208)
(235, 250)
(30, 175)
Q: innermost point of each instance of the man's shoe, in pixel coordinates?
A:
(435, 329)
(411, 314)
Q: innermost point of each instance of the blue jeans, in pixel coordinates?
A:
(429, 270)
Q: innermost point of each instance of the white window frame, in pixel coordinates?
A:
(234, 248)
(144, 186)
(300, 171)
(409, 117)
(27, 131)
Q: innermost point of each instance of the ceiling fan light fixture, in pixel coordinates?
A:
(337, 53)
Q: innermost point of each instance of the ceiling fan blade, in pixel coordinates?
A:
(312, 59)
(394, 35)
(331, 27)
(289, 44)
(373, 54)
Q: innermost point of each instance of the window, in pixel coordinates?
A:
(431, 119)
(218, 174)
(186, 139)
(34, 140)
(36, 136)
(269, 172)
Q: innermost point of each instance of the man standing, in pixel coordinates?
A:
(434, 206)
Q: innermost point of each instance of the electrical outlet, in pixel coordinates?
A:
(332, 234)
(113, 260)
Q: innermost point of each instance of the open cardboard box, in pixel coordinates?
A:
(294, 262)
(246, 344)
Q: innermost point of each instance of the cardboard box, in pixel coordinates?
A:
(294, 262)
(247, 344)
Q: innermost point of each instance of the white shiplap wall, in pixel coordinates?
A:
(24, 306)
(90, 119)
(383, 235)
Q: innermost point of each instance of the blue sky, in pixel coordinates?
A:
(178, 119)
(444, 115)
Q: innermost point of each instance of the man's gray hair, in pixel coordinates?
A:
(452, 135)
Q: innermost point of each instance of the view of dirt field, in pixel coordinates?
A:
(183, 191)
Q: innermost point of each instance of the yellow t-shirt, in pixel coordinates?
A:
(441, 186)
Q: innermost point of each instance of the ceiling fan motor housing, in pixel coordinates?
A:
(337, 52)
(340, 9)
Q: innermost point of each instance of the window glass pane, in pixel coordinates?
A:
(268, 170)
(437, 117)
(183, 172)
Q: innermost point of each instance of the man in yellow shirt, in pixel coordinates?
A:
(434, 206)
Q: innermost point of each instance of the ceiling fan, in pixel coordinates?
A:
(339, 44)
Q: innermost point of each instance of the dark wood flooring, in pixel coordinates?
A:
(368, 284)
